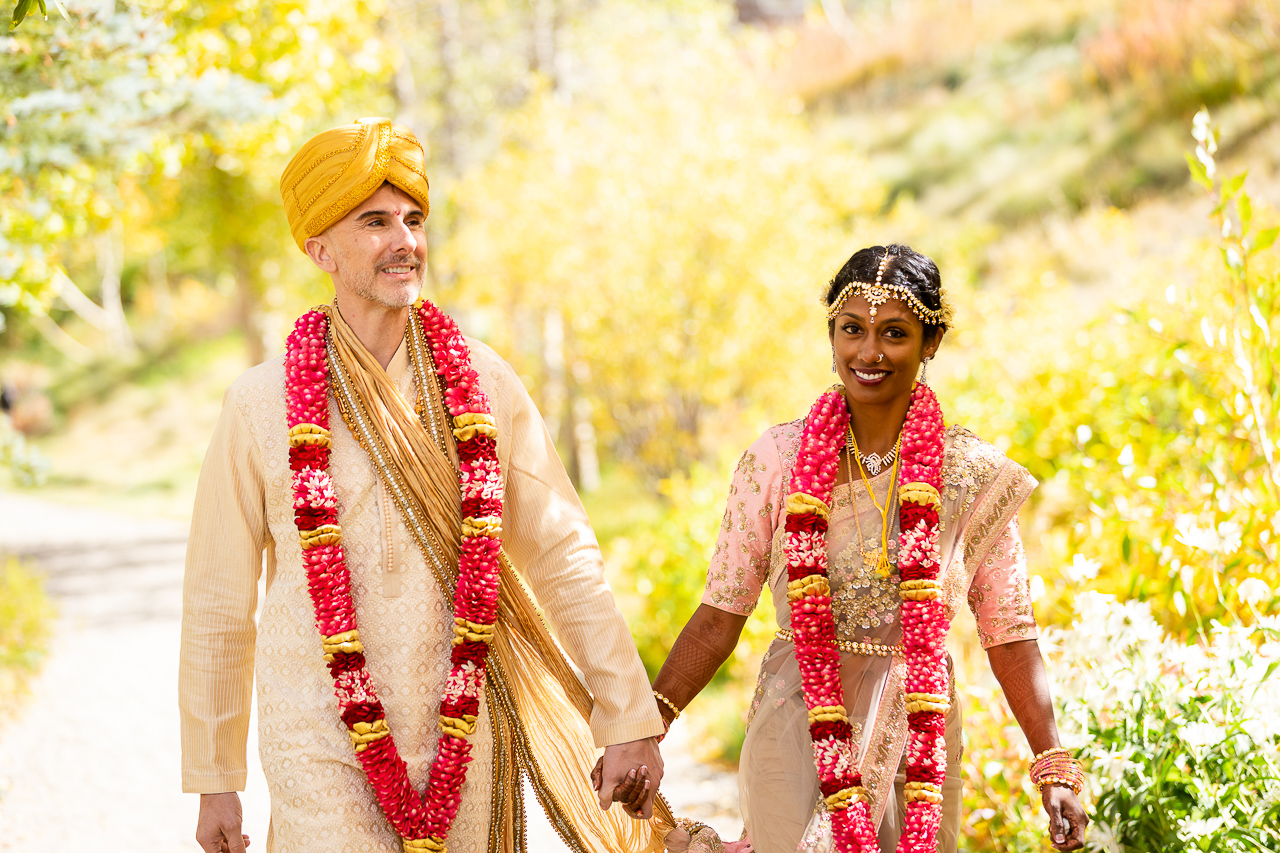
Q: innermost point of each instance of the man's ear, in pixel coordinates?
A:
(318, 251)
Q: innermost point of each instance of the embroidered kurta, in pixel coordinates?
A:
(320, 797)
(982, 560)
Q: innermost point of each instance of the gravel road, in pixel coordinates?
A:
(91, 759)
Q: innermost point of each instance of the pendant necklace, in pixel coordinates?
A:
(883, 568)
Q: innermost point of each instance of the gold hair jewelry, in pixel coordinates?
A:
(877, 293)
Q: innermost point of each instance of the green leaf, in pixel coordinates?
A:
(62, 10)
(1232, 185)
(1264, 239)
(1198, 173)
(20, 12)
(1245, 206)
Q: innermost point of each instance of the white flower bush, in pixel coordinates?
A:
(1180, 739)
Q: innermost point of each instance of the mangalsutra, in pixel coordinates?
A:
(883, 567)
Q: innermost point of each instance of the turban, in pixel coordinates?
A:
(340, 168)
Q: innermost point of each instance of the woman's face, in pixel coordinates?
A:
(897, 334)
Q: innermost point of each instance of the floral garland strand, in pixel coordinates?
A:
(923, 618)
(422, 822)
(813, 477)
(924, 621)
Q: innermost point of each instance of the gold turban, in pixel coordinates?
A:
(340, 168)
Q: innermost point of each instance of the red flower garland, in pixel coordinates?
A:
(422, 821)
(924, 622)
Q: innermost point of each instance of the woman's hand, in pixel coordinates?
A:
(632, 791)
(1068, 823)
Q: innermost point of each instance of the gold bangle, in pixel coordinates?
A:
(1057, 750)
(665, 701)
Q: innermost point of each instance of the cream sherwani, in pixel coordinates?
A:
(320, 798)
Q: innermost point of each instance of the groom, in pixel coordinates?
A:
(356, 199)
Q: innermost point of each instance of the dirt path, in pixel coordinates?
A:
(91, 760)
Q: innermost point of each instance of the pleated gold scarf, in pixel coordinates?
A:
(539, 709)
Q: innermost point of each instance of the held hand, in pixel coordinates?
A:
(1068, 823)
(633, 790)
(218, 826)
(614, 782)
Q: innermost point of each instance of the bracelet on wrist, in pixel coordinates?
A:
(1056, 766)
(665, 701)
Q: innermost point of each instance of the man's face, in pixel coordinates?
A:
(377, 253)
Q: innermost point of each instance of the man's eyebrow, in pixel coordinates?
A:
(371, 213)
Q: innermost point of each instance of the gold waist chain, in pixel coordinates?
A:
(877, 649)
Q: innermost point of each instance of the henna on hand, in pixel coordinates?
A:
(1021, 673)
(705, 643)
(1068, 822)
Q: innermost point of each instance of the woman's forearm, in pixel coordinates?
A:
(706, 642)
(1022, 676)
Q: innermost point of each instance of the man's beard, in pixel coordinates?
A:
(365, 286)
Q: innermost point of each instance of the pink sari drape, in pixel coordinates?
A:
(982, 560)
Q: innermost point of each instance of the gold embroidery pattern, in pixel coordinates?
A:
(727, 585)
(1011, 487)
(362, 190)
(969, 464)
(861, 598)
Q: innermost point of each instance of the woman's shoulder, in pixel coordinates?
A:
(972, 463)
(773, 450)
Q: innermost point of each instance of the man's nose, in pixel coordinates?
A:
(404, 238)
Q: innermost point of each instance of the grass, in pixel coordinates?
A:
(26, 621)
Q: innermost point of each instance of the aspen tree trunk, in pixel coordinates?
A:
(111, 263)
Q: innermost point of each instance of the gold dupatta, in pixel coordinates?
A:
(540, 710)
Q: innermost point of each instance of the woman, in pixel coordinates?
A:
(862, 716)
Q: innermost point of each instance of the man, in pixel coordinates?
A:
(392, 531)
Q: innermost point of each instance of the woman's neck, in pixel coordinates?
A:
(876, 427)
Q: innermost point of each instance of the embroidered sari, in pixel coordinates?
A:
(982, 560)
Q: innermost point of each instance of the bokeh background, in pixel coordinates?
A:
(637, 203)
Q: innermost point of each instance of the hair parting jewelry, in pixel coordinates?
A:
(877, 293)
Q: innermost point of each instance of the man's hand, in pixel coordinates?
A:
(615, 782)
(218, 827)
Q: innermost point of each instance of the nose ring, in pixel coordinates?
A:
(880, 359)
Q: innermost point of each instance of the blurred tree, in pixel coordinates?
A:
(169, 126)
(89, 102)
(649, 232)
(1154, 429)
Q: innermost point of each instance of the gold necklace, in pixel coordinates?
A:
(883, 567)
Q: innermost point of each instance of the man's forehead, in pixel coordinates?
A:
(390, 198)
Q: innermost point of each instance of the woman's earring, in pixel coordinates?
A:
(833, 359)
(924, 369)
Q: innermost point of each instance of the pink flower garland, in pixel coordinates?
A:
(422, 821)
(924, 622)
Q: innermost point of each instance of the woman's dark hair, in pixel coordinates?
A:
(907, 267)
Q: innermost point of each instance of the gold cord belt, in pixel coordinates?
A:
(877, 649)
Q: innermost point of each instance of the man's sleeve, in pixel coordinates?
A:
(219, 596)
(550, 540)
